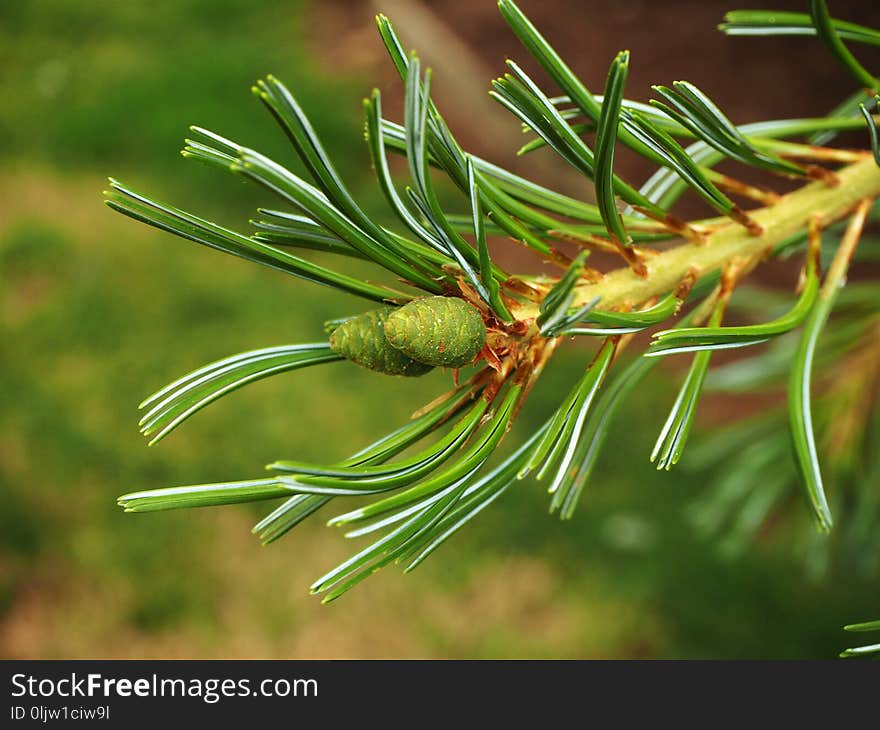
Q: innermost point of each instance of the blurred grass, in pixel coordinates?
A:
(97, 312)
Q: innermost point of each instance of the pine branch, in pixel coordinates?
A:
(786, 218)
(503, 329)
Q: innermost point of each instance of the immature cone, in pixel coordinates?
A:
(440, 331)
(362, 340)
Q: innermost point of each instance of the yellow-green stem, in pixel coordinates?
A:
(787, 217)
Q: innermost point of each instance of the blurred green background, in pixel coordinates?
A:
(97, 312)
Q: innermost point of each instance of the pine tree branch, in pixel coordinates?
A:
(780, 221)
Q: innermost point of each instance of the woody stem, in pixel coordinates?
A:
(788, 216)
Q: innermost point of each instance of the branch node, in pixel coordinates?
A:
(829, 177)
(750, 224)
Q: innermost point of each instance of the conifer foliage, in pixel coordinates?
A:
(438, 300)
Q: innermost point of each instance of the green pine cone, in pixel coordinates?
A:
(440, 331)
(362, 340)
